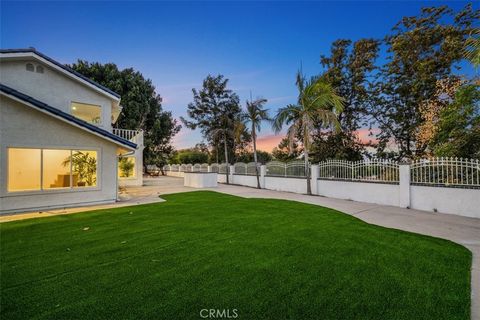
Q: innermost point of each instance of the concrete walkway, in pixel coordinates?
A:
(462, 230)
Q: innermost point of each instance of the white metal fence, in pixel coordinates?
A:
(222, 168)
(450, 172)
(288, 169)
(242, 168)
(253, 168)
(385, 171)
(442, 172)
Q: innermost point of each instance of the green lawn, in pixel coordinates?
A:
(269, 259)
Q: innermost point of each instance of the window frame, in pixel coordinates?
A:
(27, 65)
(88, 104)
(40, 191)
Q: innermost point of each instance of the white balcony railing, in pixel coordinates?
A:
(136, 136)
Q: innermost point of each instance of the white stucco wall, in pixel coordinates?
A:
(379, 193)
(53, 88)
(296, 185)
(23, 126)
(200, 179)
(174, 174)
(464, 202)
(222, 178)
(244, 180)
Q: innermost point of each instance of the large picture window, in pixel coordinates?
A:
(46, 169)
(84, 168)
(56, 172)
(88, 112)
(126, 167)
(24, 169)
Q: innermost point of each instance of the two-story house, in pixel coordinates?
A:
(57, 145)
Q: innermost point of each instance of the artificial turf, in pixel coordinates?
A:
(268, 259)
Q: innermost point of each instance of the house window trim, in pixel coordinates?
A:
(90, 104)
(27, 65)
(70, 189)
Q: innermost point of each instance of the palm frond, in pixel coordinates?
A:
(285, 115)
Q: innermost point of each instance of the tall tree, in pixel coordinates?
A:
(317, 103)
(255, 114)
(458, 125)
(141, 107)
(350, 69)
(422, 50)
(215, 110)
(431, 109)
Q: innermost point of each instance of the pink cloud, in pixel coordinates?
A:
(268, 142)
(364, 135)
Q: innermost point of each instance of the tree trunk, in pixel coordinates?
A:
(226, 157)
(307, 173)
(305, 151)
(254, 137)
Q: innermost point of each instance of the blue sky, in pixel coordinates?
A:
(257, 45)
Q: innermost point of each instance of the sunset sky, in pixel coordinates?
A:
(257, 45)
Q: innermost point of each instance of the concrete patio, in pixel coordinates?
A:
(462, 230)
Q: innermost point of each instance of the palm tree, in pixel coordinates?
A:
(472, 48)
(255, 115)
(317, 102)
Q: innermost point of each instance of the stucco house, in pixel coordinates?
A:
(57, 144)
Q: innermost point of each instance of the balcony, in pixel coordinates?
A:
(135, 136)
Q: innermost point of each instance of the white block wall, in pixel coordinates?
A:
(458, 201)
(296, 185)
(379, 193)
(244, 180)
(463, 202)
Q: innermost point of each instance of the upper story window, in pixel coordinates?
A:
(39, 69)
(30, 67)
(88, 112)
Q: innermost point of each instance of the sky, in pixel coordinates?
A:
(259, 46)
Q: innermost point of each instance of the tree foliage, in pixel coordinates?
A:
(192, 156)
(216, 111)
(318, 106)
(254, 116)
(262, 157)
(141, 107)
(458, 133)
(350, 70)
(422, 50)
(472, 47)
(286, 150)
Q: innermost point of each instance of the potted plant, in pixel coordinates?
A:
(84, 166)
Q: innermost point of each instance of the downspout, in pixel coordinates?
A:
(116, 179)
(116, 172)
